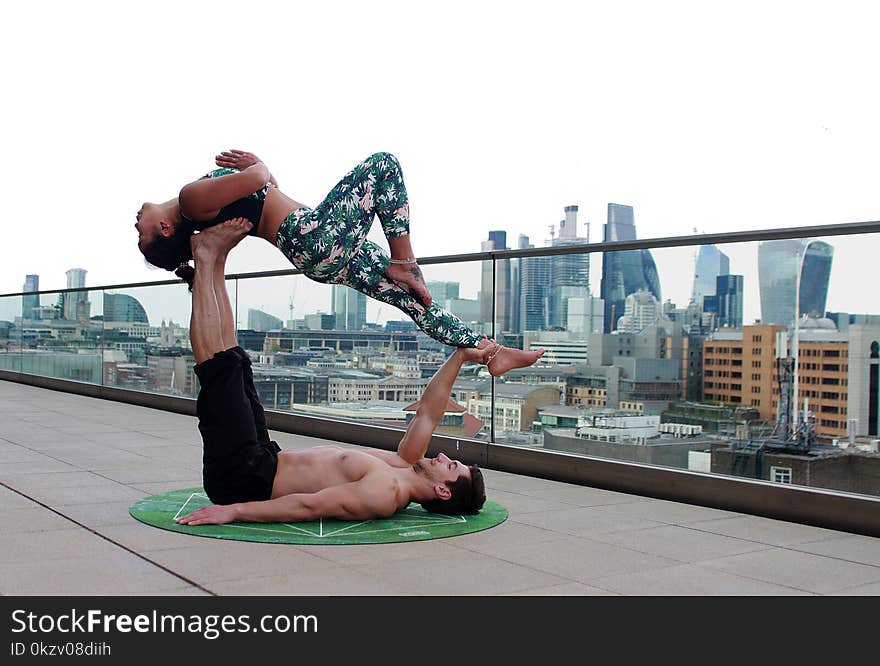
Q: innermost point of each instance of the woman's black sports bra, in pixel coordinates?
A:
(250, 207)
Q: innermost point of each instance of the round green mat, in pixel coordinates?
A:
(411, 524)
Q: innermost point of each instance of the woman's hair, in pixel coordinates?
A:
(173, 252)
(468, 495)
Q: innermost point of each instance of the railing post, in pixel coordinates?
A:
(491, 378)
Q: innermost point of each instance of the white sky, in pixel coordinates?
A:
(720, 117)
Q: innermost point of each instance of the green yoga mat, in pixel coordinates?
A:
(411, 524)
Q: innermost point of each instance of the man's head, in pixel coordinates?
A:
(458, 489)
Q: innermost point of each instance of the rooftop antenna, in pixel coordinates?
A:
(552, 228)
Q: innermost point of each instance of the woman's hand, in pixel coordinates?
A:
(235, 159)
(241, 160)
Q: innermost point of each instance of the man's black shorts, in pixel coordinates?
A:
(239, 460)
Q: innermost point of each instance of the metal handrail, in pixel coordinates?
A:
(843, 229)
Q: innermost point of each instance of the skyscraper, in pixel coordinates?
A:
(76, 304)
(626, 271)
(443, 291)
(516, 286)
(570, 276)
(641, 310)
(500, 289)
(28, 303)
(711, 262)
(350, 308)
(729, 300)
(122, 307)
(262, 321)
(782, 264)
(534, 285)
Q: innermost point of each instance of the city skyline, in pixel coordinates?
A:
(676, 267)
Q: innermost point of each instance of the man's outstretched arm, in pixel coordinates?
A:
(433, 405)
(360, 500)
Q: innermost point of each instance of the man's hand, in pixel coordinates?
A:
(209, 515)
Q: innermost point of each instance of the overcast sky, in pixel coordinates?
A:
(701, 115)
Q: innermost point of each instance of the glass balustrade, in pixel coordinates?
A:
(680, 356)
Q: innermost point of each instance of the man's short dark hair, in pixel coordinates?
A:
(468, 495)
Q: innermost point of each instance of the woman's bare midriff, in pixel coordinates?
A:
(276, 207)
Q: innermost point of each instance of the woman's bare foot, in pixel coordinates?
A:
(218, 240)
(476, 354)
(503, 359)
(410, 275)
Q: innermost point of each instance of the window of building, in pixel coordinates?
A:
(756, 402)
(756, 389)
(756, 338)
(780, 474)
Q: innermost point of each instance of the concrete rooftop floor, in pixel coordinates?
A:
(88, 460)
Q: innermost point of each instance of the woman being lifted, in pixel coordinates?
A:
(327, 243)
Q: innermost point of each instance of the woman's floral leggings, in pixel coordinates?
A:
(329, 244)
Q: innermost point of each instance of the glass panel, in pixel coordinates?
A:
(62, 336)
(146, 344)
(527, 317)
(701, 375)
(322, 350)
(332, 352)
(466, 290)
(11, 309)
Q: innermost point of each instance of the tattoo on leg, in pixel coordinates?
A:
(415, 270)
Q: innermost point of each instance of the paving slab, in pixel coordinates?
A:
(691, 580)
(767, 530)
(460, 574)
(581, 560)
(805, 571)
(585, 521)
(853, 548)
(333, 581)
(679, 543)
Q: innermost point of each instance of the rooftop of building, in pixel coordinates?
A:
(71, 466)
(659, 440)
(576, 411)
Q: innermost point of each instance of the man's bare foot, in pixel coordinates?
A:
(218, 240)
(504, 359)
(410, 275)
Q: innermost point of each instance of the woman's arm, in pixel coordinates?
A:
(240, 159)
(203, 198)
